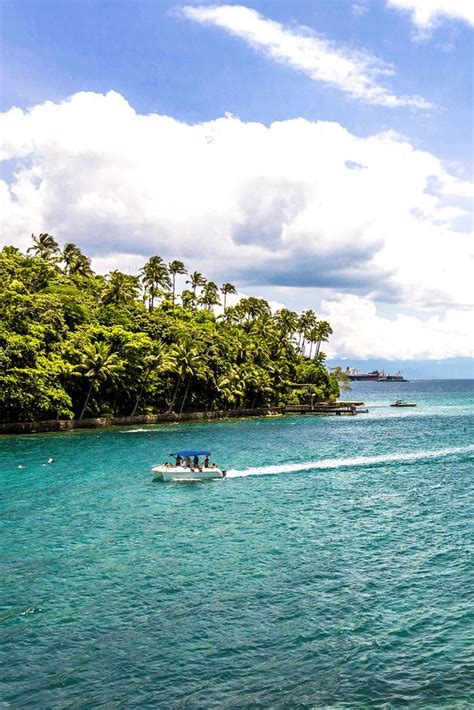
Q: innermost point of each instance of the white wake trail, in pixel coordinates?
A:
(138, 431)
(354, 461)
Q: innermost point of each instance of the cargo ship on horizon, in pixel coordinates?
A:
(373, 376)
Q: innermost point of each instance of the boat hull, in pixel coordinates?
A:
(363, 378)
(168, 473)
(374, 376)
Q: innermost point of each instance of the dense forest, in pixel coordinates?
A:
(77, 344)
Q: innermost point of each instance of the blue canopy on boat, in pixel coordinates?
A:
(192, 453)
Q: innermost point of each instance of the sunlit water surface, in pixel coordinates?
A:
(332, 568)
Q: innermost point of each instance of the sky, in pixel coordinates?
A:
(317, 153)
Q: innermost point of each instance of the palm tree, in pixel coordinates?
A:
(120, 288)
(324, 330)
(307, 320)
(44, 246)
(82, 266)
(210, 295)
(68, 370)
(160, 360)
(312, 336)
(226, 289)
(176, 267)
(155, 277)
(258, 349)
(98, 363)
(263, 329)
(187, 363)
(231, 315)
(10, 251)
(287, 322)
(232, 386)
(258, 381)
(241, 351)
(70, 254)
(188, 299)
(75, 261)
(197, 280)
(252, 308)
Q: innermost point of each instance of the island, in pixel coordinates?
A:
(75, 344)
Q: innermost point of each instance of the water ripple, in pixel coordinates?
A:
(347, 590)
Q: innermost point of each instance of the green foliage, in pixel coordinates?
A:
(74, 343)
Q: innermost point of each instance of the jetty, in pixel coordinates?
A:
(335, 408)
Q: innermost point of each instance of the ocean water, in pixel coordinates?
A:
(332, 568)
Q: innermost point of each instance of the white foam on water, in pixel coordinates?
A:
(137, 431)
(354, 461)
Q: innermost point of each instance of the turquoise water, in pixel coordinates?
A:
(332, 568)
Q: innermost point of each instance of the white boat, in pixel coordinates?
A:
(188, 467)
(401, 403)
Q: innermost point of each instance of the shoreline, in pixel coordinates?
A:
(41, 427)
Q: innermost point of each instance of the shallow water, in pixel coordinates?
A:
(332, 568)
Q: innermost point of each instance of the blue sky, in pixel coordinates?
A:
(164, 63)
(375, 95)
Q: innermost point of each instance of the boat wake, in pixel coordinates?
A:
(349, 462)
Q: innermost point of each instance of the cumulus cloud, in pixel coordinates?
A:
(296, 203)
(361, 332)
(426, 14)
(356, 73)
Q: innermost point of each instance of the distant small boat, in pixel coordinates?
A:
(401, 403)
(187, 467)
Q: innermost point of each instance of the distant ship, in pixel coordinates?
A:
(373, 376)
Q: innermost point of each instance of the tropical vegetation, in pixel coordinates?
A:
(77, 344)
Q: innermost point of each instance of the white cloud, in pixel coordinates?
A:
(360, 332)
(426, 14)
(355, 73)
(296, 203)
(360, 8)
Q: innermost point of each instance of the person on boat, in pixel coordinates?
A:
(206, 462)
(187, 462)
(196, 462)
(179, 460)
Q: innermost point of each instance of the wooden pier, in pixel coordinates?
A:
(334, 408)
